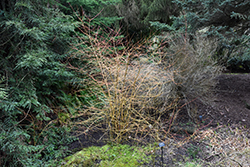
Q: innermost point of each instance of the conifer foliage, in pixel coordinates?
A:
(99, 12)
(34, 44)
(138, 13)
(227, 20)
(38, 92)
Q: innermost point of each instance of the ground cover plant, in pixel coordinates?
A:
(111, 155)
(220, 146)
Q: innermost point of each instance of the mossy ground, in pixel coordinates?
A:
(111, 155)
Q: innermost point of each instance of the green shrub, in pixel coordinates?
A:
(34, 44)
(223, 20)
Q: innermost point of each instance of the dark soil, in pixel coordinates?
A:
(232, 101)
(231, 107)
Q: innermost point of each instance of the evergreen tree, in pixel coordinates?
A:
(227, 20)
(103, 11)
(138, 13)
(34, 44)
(218, 13)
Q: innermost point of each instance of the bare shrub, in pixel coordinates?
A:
(138, 95)
(149, 84)
(140, 88)
(195, 69)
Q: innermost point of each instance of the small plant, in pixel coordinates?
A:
(191, 164)
(193, 151)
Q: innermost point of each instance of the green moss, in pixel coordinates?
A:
(109, 155)
(191, 164)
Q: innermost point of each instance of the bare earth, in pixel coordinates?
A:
(223, 139)
(232, 104)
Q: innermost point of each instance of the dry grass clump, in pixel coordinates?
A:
(195, 69)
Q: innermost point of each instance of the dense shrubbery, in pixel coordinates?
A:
(34, 44)
(138, 13)
(39, 93)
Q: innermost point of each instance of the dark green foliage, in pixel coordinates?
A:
(226, 20)
(35, 43)
(17, 150)
(138, 13)
(217, 13)
(39, 89)
(103, 11)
